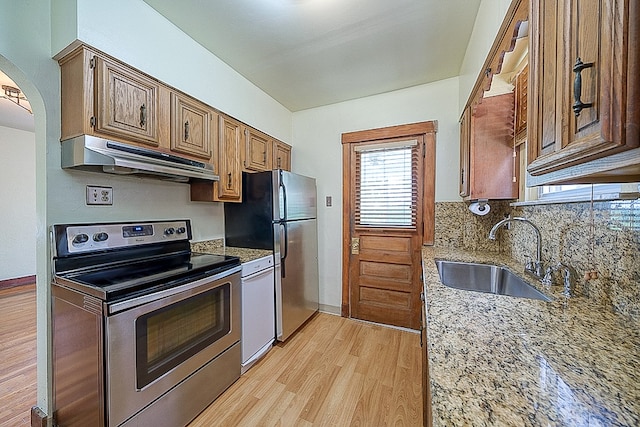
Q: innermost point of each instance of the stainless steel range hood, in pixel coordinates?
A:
(94, 154)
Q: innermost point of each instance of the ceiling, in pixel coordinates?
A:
(12, 115)
(309, 53)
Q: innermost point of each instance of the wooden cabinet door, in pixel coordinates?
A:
(257, 151)
(487, 162)
(126, 103)
(582, 53)
(465, 143)
(229, 143)
(492, 168)
(281, 155)
(190, 126)
(521, 93)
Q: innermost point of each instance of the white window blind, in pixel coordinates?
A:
(386, 184)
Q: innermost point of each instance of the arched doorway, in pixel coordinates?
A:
(18, 312)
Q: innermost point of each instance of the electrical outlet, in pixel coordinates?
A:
(99, 195)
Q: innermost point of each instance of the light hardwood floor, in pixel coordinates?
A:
(17, 355)
(334, 371)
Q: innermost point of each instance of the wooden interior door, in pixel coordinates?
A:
(382, 262)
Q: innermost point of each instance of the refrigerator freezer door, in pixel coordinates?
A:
(297, 197)
(297, 284)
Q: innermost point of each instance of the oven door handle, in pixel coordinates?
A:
(193, 287)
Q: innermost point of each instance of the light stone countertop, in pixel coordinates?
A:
(217, 247)
(496, 360)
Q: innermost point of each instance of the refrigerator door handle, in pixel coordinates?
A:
(284, 199)
(284, 247)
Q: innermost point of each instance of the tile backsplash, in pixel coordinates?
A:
(603, 237)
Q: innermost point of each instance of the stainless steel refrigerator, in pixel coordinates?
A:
(278, 212)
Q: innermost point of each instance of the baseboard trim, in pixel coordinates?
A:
(18, 281)
(331, 309)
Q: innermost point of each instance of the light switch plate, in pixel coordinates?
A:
(99, 195)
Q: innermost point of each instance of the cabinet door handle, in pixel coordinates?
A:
(264, 157)
(143, 115)
(279, 163)
(229, 181)
(578, 105)
(186, 130)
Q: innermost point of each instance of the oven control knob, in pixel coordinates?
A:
(100, 237)
(181, 230)
(80, 238)
(169, 231)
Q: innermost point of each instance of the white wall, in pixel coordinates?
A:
(318, 152)
(490, 15)
(18, 196)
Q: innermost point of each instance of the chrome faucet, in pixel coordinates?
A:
(566, 275)
(534, 268)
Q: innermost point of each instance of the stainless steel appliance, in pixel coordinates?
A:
(90, 153)
(258, 310)
(278, 212)
(145, 332)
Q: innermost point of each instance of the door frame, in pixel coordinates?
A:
(428, 129)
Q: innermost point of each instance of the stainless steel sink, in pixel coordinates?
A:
(486, 278)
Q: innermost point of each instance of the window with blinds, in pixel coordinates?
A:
(386, 192)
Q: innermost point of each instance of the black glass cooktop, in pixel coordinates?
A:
(146, 276)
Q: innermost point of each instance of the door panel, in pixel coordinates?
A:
(385, 277)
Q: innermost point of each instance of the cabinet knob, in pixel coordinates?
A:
(578, 105)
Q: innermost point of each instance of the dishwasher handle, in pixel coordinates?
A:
(258, 274)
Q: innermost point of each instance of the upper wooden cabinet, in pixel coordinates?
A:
(584, 91)
(281, 155)
(258, 149)
(126, 102)
(190, 126)
(488, 168)
(103, 97)
(488, 161)
(227, 154)
(106, 98)
(230, 141)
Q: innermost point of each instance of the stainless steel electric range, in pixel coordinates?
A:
(145, 332)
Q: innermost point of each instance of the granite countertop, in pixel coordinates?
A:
(217, 247)
(496, 360)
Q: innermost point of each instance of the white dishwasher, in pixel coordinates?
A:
(258, 310)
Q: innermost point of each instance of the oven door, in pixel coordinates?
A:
(152, 347)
